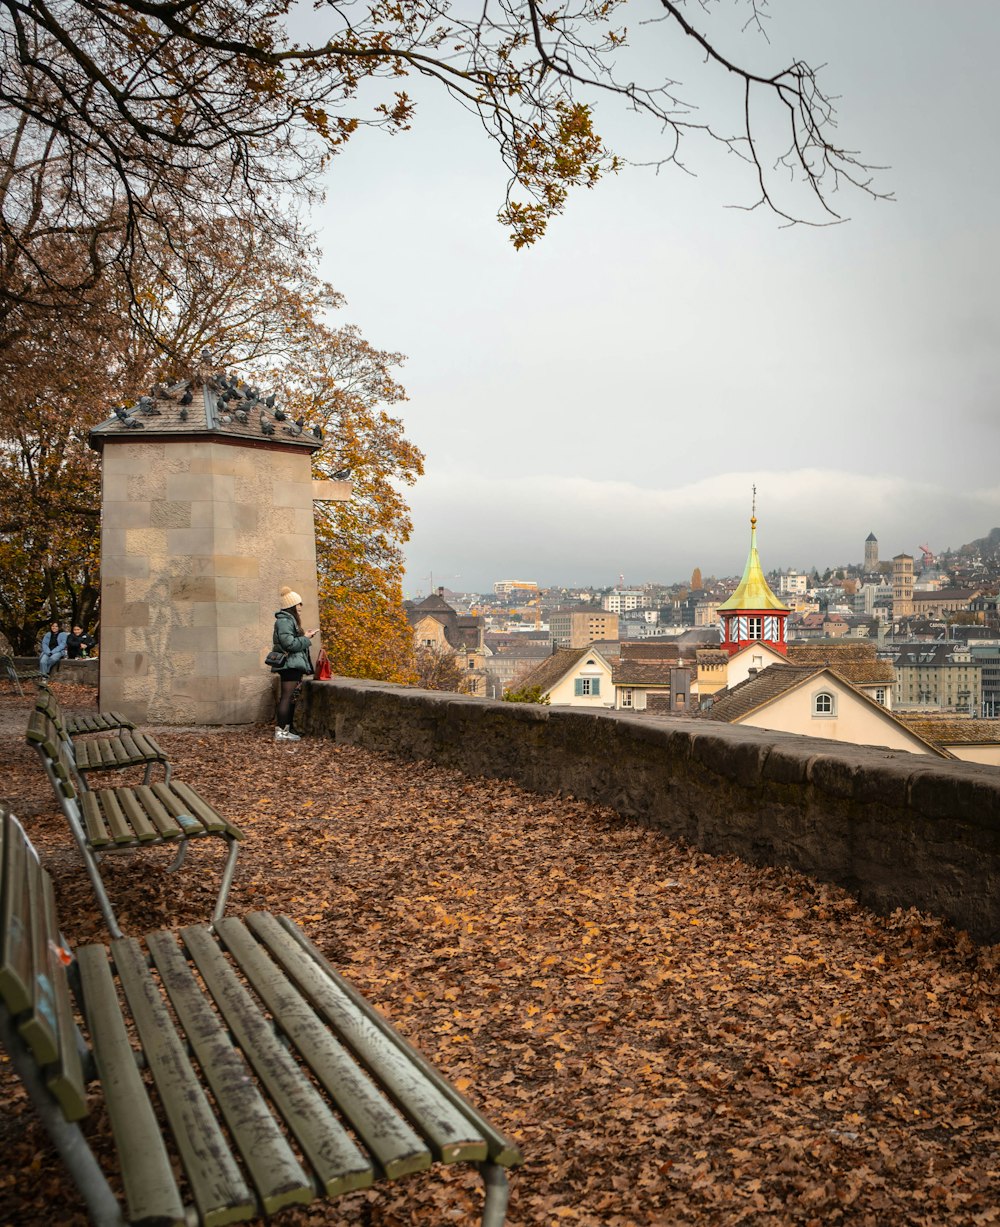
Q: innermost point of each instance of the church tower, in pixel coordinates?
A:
(753, 614)
(871, 554)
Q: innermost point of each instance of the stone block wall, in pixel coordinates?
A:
(197, 538)
(896, 829)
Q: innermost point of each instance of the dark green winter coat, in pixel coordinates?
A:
(287, 638)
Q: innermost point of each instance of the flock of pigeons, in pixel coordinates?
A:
(235, 401)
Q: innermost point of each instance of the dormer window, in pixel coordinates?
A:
(824, 704)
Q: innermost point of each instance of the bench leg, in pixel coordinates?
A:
(67, 1137)
(497, 1193)
(227, 881)
(178, 860)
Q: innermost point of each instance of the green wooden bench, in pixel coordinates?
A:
(240, 1073)
(81, 722)
(16, 676)
(126, 748)
(112, 820)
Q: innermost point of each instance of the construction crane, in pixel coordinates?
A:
(928, 557)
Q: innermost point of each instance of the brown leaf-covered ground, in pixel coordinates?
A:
(670, 1037)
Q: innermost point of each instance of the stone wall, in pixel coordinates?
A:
(896, 829)
(197, 537)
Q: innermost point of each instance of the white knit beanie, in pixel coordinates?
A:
(288, 598)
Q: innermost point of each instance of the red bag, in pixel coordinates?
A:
(323, 672)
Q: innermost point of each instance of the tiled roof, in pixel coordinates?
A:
(245, 415)
(758, 690)
(642, 673)
(711, 657)
(945, 594)
(857, 661)
(645, 650)
(949, 731)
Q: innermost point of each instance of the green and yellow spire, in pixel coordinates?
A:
(753, 592)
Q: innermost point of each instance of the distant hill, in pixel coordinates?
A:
(988, 546)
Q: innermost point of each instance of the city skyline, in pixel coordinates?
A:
(626, 583)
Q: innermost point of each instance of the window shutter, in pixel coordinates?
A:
(595, 685)
(578, 686)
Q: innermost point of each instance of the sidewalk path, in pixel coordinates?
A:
(671, 1037)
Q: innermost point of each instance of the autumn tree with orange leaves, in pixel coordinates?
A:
(261, 311)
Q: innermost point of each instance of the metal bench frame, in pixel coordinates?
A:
(116, 820)
(275, 1080)
(35, 675)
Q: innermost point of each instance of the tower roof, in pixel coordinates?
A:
(753, 591)
(210, 404)
(871, 537)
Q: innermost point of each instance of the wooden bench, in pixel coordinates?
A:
(111, 820)
(82, 722)
(126, 748)
(17, 676)
(240, 1073)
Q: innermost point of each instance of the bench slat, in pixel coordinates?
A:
(278, 1176)
(141, 825)
(187, 801)
(339, 1164)
(150, 1188)
(93, 820)
(452, 1135)
(217, 1184)
(121, 832)
(38, 1029)
(394, 1144)
(15, 942)
(65, 1077)
(164, 821)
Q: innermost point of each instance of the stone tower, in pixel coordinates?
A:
(206, 511)
(871, 554)
(902, 586)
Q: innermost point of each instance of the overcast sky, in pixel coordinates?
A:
(601, 404)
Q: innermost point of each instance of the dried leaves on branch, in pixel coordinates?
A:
(670, 1037)
(153, 109)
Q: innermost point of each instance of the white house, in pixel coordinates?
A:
(573, 677)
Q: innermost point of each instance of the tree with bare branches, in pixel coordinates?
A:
(154, 109)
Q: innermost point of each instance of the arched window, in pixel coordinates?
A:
(824, 704)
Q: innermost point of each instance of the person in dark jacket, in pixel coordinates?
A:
(291, 638)
(78, 643)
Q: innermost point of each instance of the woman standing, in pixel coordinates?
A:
(291, 638)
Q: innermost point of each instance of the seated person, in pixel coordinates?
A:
(53, 649)
(78, 643)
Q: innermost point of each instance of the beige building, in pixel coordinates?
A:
(943, 601)
(575, 628)
(816, 702)
(204, 516)
(941, 676)
(440, 627)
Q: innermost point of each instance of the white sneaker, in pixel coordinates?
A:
(286, 734)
